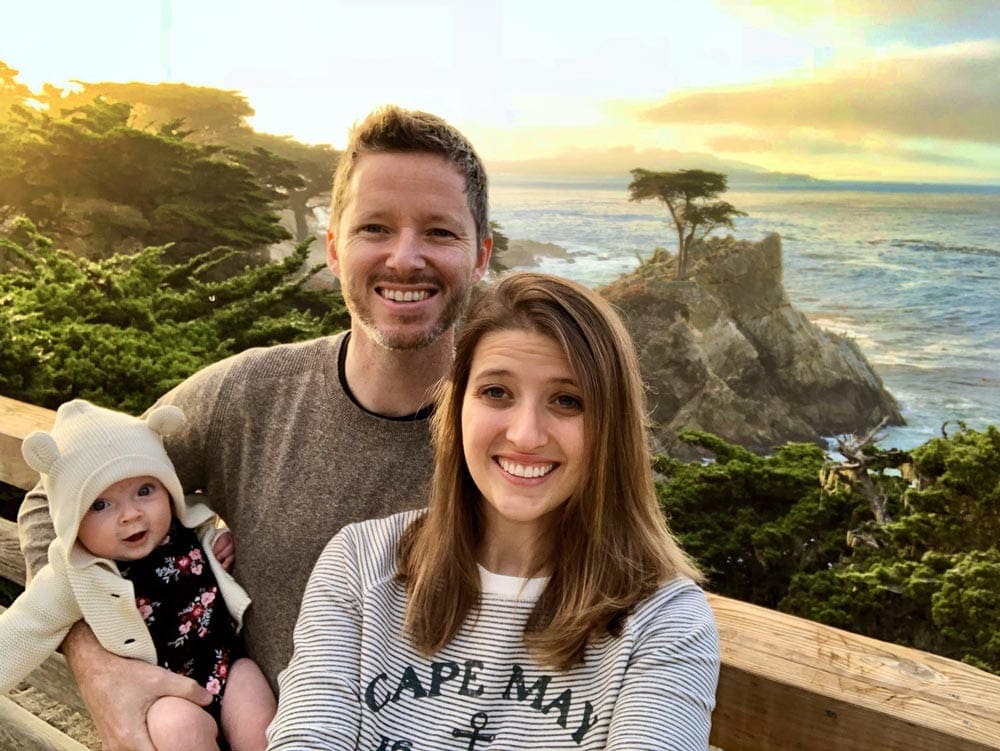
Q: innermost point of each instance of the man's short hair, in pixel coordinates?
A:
(392, 129)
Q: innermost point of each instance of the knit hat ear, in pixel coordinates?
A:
(165, 419)
(40, 451)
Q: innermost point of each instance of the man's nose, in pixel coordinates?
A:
(406, 252)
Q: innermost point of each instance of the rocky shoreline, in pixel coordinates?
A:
(726, 352)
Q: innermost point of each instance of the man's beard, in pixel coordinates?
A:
(402, 341)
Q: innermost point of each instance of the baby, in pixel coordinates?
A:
(131, 558)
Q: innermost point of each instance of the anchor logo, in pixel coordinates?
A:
(477, 723)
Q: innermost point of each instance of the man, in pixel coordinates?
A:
(292, 442)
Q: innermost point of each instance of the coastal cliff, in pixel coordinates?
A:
(724, 351)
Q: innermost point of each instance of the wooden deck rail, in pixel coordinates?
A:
(786, 684)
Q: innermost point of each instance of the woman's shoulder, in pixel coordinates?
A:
(369, 547)
(679, 603)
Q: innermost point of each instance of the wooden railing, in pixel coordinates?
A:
(786, 683)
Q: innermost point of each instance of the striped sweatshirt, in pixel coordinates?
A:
(355, 682)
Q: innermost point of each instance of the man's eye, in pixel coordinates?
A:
(441, 232)
(372, 228)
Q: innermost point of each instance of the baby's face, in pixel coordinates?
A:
(127, 520)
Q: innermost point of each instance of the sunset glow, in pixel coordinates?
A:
(837, 89)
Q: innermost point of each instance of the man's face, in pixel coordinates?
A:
(405, 248)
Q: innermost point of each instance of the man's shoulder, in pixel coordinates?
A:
(255, 371)
(282, 359)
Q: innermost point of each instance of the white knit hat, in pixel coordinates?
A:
(91, 448)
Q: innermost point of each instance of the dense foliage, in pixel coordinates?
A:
(122, 330)
(768, 531)
(97, 186)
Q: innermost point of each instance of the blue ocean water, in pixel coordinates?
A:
(911, 272)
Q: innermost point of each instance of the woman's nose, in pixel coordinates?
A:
(527, 427)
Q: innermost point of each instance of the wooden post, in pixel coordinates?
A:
(21, 730)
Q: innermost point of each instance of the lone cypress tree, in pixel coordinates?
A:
(688, 195)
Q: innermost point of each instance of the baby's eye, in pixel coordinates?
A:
(146, 489)
(99, 505)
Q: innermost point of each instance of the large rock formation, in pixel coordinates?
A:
(724, 351)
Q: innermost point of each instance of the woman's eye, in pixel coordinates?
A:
(372, 228)
(570, 402)
(494, 392)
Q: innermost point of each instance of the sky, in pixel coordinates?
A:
(886, 90)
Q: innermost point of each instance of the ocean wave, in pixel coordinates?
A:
(938, 247)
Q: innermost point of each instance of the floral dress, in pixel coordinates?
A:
(179, 599)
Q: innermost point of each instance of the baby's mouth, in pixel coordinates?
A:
(137, 537)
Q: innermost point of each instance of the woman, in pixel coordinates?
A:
(540, 601)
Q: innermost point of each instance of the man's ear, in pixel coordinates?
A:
(332, 262)
(482, 258)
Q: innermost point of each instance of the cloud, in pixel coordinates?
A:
(946, 13)
(950, 92)
(812, 144)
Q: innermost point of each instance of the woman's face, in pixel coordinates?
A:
(522, 429)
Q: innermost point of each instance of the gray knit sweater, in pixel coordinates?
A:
(356, 682)
(286, 458)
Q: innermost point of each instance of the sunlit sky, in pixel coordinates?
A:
(838, 89)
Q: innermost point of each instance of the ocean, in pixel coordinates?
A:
(911, 272)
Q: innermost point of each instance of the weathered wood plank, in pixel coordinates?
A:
(17, 419)
(12, 565)
(21, 730)
(790, 683)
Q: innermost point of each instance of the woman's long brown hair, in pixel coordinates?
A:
(610, 547)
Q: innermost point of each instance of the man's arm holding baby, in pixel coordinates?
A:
(118, 691)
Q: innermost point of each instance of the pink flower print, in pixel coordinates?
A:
(184, 563)
(145, 610)
(185, 627)
(213, 686)
(196, 569)
(195, 555)
(207, 598)
(201, 632)
(222, 670)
